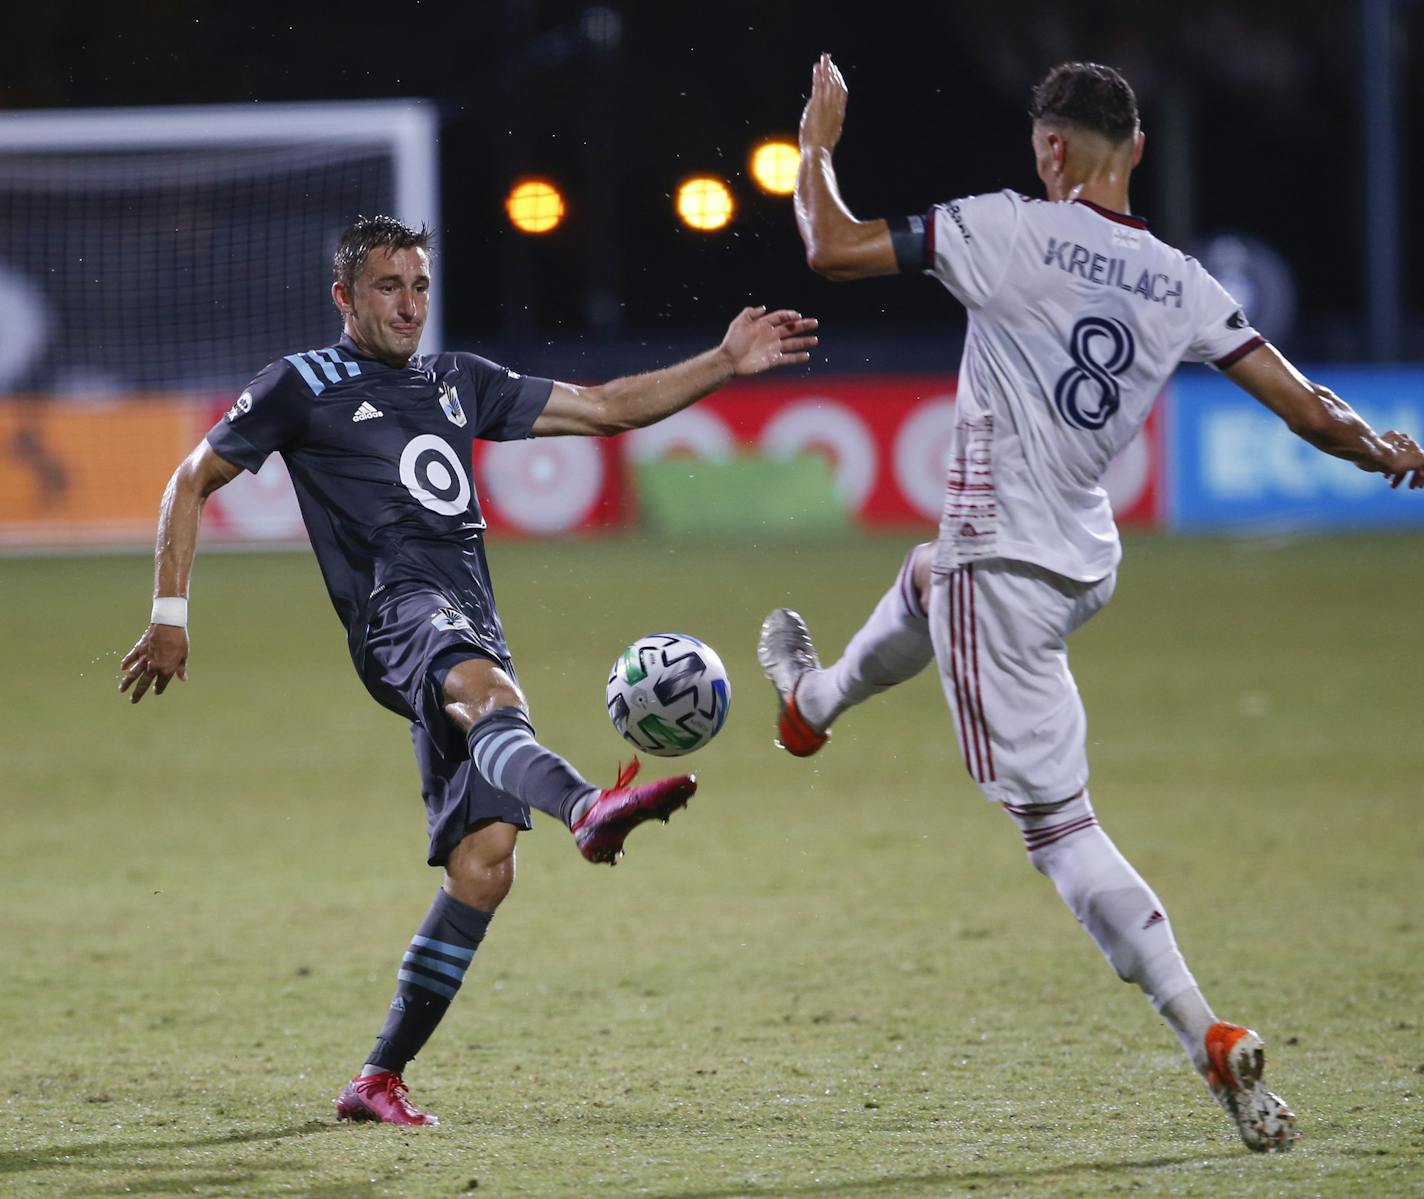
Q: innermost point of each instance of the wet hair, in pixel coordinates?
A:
(1088, 95)
(369, 233)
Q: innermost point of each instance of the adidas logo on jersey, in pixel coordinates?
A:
(367, 411)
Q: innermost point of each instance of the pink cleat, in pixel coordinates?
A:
(380, 1097)
(617, 811)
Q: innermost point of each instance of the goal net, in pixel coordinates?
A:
(151, 262)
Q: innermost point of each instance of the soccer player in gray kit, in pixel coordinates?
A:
(378, 441)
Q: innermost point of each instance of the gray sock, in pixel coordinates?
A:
(505, 753)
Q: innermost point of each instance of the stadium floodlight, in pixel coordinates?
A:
(182, 248)
(704, 202)
(534, 206)
(774, 164)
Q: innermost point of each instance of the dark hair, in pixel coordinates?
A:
(1089, 95)
(369, 233)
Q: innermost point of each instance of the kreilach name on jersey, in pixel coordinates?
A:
(1154, 287)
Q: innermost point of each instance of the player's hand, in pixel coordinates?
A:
(758, 340)
(824, 114)
(157, 656)
(1405, 460)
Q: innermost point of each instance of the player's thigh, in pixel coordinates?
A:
(999, 630)
(472, 686)
(414, 638)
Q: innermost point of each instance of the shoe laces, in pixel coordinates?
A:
(626, 774)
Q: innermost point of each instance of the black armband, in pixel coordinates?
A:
(909, 237)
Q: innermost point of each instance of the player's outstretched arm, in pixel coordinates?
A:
(838, 245)
(162, 651)
(1322, 418)
(756, 340)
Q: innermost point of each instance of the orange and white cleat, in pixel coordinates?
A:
(1236, 1060)
(786, 652)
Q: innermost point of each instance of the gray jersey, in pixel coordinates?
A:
(380, 460)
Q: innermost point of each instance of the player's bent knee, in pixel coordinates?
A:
(475, 687)
(480, 870)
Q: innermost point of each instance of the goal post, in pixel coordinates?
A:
(152, 261)
(169, 248)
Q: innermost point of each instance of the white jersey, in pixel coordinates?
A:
(1077, 316)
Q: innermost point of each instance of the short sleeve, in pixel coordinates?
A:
(506, 403)
(1223, 335)
(271, 414)
(968, 244)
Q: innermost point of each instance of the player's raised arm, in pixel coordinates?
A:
(756, 340)
(1319, 416)
(838, 245)
(162, 651)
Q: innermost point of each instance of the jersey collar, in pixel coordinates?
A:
(1122, 218)
(345, 343)
(348, 346)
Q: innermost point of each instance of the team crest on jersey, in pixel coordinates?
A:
(450, 405)
(243, 405)
(446, 619)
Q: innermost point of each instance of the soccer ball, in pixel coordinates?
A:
(668, 694)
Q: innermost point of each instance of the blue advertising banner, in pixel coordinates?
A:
(1234, 465)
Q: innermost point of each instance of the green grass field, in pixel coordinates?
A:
(829, 978)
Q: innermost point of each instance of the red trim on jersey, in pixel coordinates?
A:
(1239, 352)
(978, 691)
(930, 236)
(1122, 218)
(969, 745)
(964, 658)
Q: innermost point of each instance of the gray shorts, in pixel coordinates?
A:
(415, 636)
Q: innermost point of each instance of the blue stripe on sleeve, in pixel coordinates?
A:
(326, 368)
(352, 369)
(307, 373)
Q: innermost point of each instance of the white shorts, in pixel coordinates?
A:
(998, 628)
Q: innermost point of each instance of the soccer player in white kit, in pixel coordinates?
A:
(1077, 316)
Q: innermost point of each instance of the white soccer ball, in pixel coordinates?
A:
(668, 694)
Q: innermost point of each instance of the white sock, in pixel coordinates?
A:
(892, 646)
(1118, 909)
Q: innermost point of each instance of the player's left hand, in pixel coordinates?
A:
(824, 115)
(758, 340)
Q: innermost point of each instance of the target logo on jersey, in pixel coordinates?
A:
(668, 694)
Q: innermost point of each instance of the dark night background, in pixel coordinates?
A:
(1262, 102)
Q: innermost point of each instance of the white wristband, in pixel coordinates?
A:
(170, 609)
